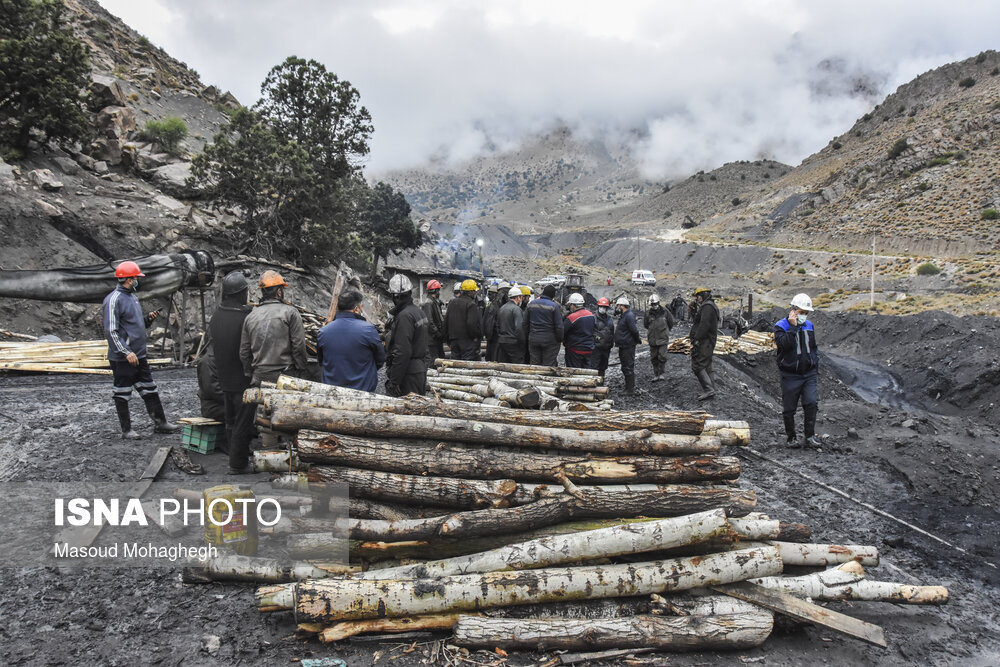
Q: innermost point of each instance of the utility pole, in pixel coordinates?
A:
(871, 300)
(638, 253)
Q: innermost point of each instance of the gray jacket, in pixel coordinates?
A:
(509, 320)
(273, 340)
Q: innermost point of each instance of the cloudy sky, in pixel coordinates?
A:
(693, 84)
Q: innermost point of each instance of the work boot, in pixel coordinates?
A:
(656, 378)
(248, 469)
(706, 383)
(629, 384)
(812, 442)
(155, 409)
(789, 418)
(125, 420)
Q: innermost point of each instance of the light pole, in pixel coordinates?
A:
(479, 242)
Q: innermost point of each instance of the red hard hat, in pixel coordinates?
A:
(433, 285)
(603, 302)
(128, 269)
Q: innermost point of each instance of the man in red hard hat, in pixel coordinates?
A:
(434, 311)
(125, 331)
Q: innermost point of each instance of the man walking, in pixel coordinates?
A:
(543, 329)
(798, 363)
(349, 348)
(434, 312)
(406, 369)
(463, 325)
(679, 306)
(125, 331)
(498, 297)
(658, 322)
(579, 333)
(604, 335)
(509, 330)
(226, 327)
(704, 333)
(626, 339)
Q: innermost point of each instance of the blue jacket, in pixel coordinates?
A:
(350, 352)
(796, 347)
(124, 325)
(627, 331)
(543, 322)
(579, 326)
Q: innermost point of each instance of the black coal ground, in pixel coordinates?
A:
(937, 470)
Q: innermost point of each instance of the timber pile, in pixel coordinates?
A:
(752, 342)
(518, 529)
(82, 356)
(312, 323)
(519, 385)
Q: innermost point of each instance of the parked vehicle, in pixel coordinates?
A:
(643, 277)
(554, 280)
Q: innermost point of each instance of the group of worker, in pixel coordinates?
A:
(255, 345)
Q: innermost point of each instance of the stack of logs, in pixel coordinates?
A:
(752, 342)
(529, 530)
(82, 356)
(519, 385)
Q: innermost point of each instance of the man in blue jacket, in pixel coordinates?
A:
(798, 363)
(626, 339)
(579, 336)
(543, 329)
(125, 331)
(349, 349)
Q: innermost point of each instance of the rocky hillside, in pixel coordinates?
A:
(921, 172)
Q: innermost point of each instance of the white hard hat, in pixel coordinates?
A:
(399, 284)
(622, 301)
(503, 284)
(575, 299)
(655, 298)
(458, 287)
(514, 291)
(803, 302)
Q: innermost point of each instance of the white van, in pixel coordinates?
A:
(643, 277)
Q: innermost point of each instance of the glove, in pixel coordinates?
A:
(393, 389)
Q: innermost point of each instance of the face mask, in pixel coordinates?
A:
(803, 317)
(135, 285)
(603, 310)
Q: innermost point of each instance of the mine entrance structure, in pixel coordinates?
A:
(166, 275)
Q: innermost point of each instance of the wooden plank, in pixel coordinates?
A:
(805, 611)
(84, 536)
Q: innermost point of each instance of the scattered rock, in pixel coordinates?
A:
(48, 209)
(44, 179)
(148, 161)
(105, 91)
(229, 100)
(172, 179)
(67, 165)
(210, 644)
(853, 433)
(171, 204)
(210, 93)
(116, 122)
(8, 172)
(85, 161)
(908, 423)
(108, 150)
(100, 167)
(895, 541)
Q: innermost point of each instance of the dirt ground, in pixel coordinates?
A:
(916, 437)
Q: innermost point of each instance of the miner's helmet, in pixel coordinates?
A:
(575, 299)
(399, 284)
(702, 290)
(802, 302)
(234, 283)
(128, 269)
(271, 279)
(603, 301)
(469, 285)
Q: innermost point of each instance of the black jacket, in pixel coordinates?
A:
(796, 345)
(434, 313)
(543, 322)
(463, 320)
(627, 331)
(406, 346)
(226, 329)
(705, 325)
(509, 319)
(604, 331)
(658, 323)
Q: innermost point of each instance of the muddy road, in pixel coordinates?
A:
(917, 440)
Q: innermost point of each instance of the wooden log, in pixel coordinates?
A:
(328, 600)
(456, 459)
(685, 423)
(363, 508)
(277, 460)
(645, 499)
(234, 567)
(340, 631)
(662, 633)
(455, 395)
(562, 549)
(732, 433)
(524, 369)
(292, 418)
(823, 555)
(549, 381)
(527, 397)
(847, 582)
(417, 489)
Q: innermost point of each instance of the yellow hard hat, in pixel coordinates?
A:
(525, 290)
(702, 290)
(469, 285)
(271, 279)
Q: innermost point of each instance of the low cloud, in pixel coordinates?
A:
(701, 85)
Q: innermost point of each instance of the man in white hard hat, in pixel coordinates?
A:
(658, 322)
(510, 341)
(406, 345)
(626, 339)
(798, 363)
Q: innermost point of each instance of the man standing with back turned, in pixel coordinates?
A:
(406, 346)
(543, 329)
(125, 331)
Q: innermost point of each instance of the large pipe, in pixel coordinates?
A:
(165, 274)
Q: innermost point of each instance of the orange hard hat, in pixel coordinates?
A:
(271, 279)
(128, 269)
(433, 285)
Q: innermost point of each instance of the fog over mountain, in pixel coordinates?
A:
(689, 86)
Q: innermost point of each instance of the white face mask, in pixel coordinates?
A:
(803, 317)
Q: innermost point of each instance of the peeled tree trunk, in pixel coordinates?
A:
(293, 418)
(522, 398)
(562, 549)
(663, 633)
(314, 394)
(459, 460)
(327, 600)
(847, 582)
(234, 567)
(525, 369)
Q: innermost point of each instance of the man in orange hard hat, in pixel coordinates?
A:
(434, 312)
(274, 338)
(125, 331)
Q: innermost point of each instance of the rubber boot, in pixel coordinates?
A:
(706, 383)
(155, 409)
(629, 384)
(789, 418)
(809, 426)
(125, 419)
(656, 373)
